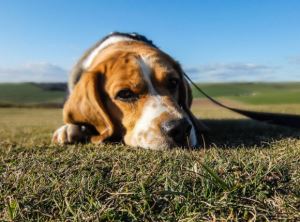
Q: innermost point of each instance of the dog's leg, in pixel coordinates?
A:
(71, 133)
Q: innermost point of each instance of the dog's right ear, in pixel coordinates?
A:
(85, 106)
(185, 101)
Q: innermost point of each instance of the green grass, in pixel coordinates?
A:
(248, 171)
(28, 94)
(254, 93)
(285, 97)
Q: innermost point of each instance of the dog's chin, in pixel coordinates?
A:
(164, 144)
(158, 141)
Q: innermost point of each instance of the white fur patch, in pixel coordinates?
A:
(60, 136)
(111, 40)
(143, 132)
(69, 133)
(146, 71)
(153, 108)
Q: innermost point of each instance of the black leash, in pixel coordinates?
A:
(288, 120)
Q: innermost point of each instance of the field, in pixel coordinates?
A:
(30, 94)
(247, 171)
(254, 93)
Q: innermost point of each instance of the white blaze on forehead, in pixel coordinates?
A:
(153, 108)
(146, 71)
(111, 40)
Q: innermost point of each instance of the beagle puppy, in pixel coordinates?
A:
(126, 89)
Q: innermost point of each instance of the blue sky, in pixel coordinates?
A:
(214, 40)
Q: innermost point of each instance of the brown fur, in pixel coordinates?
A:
(92, 101)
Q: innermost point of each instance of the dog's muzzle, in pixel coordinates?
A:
(177, 130)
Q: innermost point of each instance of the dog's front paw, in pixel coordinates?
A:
(70, 133)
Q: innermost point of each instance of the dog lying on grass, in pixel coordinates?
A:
(126, 89)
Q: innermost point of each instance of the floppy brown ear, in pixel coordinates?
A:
(85, 106)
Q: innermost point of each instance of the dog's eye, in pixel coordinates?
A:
(126, 95)
(173, 83)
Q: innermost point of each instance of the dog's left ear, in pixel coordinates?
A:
(85, 106)
(185, 101)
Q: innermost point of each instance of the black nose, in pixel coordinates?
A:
(178, 130)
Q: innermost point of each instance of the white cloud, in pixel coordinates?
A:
(294, 60)
(220, 72)
(39, 72)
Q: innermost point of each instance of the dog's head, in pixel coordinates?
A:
(128, 89)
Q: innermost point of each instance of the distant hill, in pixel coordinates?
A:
(54, 94)
(32, 94)
(52, 86)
